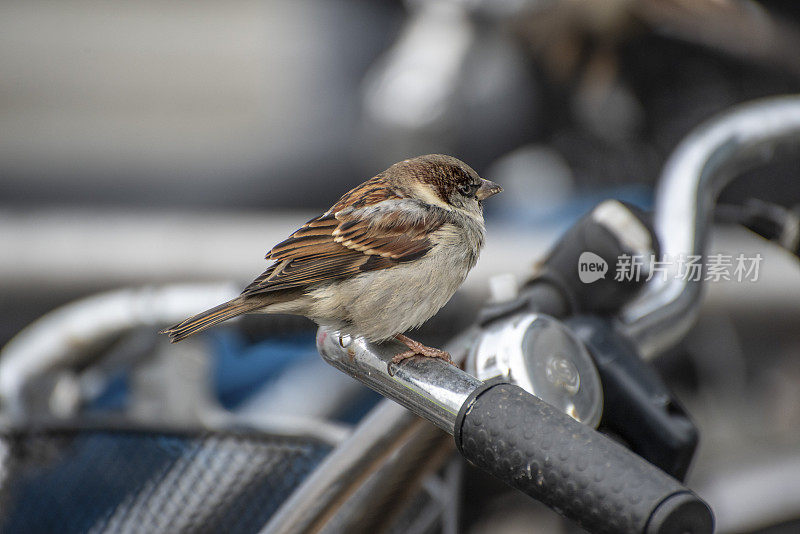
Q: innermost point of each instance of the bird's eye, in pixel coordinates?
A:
(468, 190)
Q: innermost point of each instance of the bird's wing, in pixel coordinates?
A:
(349, 239)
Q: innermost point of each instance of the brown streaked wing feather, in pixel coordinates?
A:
(317, 231)
(338, 244)
(394, 239)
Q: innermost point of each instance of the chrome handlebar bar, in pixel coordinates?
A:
(700, 167)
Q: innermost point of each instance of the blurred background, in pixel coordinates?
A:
(152, 143)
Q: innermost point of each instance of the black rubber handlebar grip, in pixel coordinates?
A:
(575, 470)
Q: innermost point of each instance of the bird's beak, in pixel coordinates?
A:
(487, 189)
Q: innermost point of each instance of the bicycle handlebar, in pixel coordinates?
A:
(528, 444)
(712, 155)
(571, 468)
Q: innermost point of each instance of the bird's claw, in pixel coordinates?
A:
(427, 352)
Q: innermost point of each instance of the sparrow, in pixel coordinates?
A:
(381, 261)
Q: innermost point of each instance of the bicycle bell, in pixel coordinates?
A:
(539, 354)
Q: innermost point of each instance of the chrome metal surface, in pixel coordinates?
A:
(387, 438)
(536, 352)
(698, 169)
(384, 492)
(430, 388)
(66, 335)
(340, 473)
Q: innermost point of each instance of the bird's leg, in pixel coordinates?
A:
(418, 349)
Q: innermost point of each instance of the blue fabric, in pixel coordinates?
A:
(241, 369)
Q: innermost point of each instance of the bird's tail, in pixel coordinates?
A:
(201, 321)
